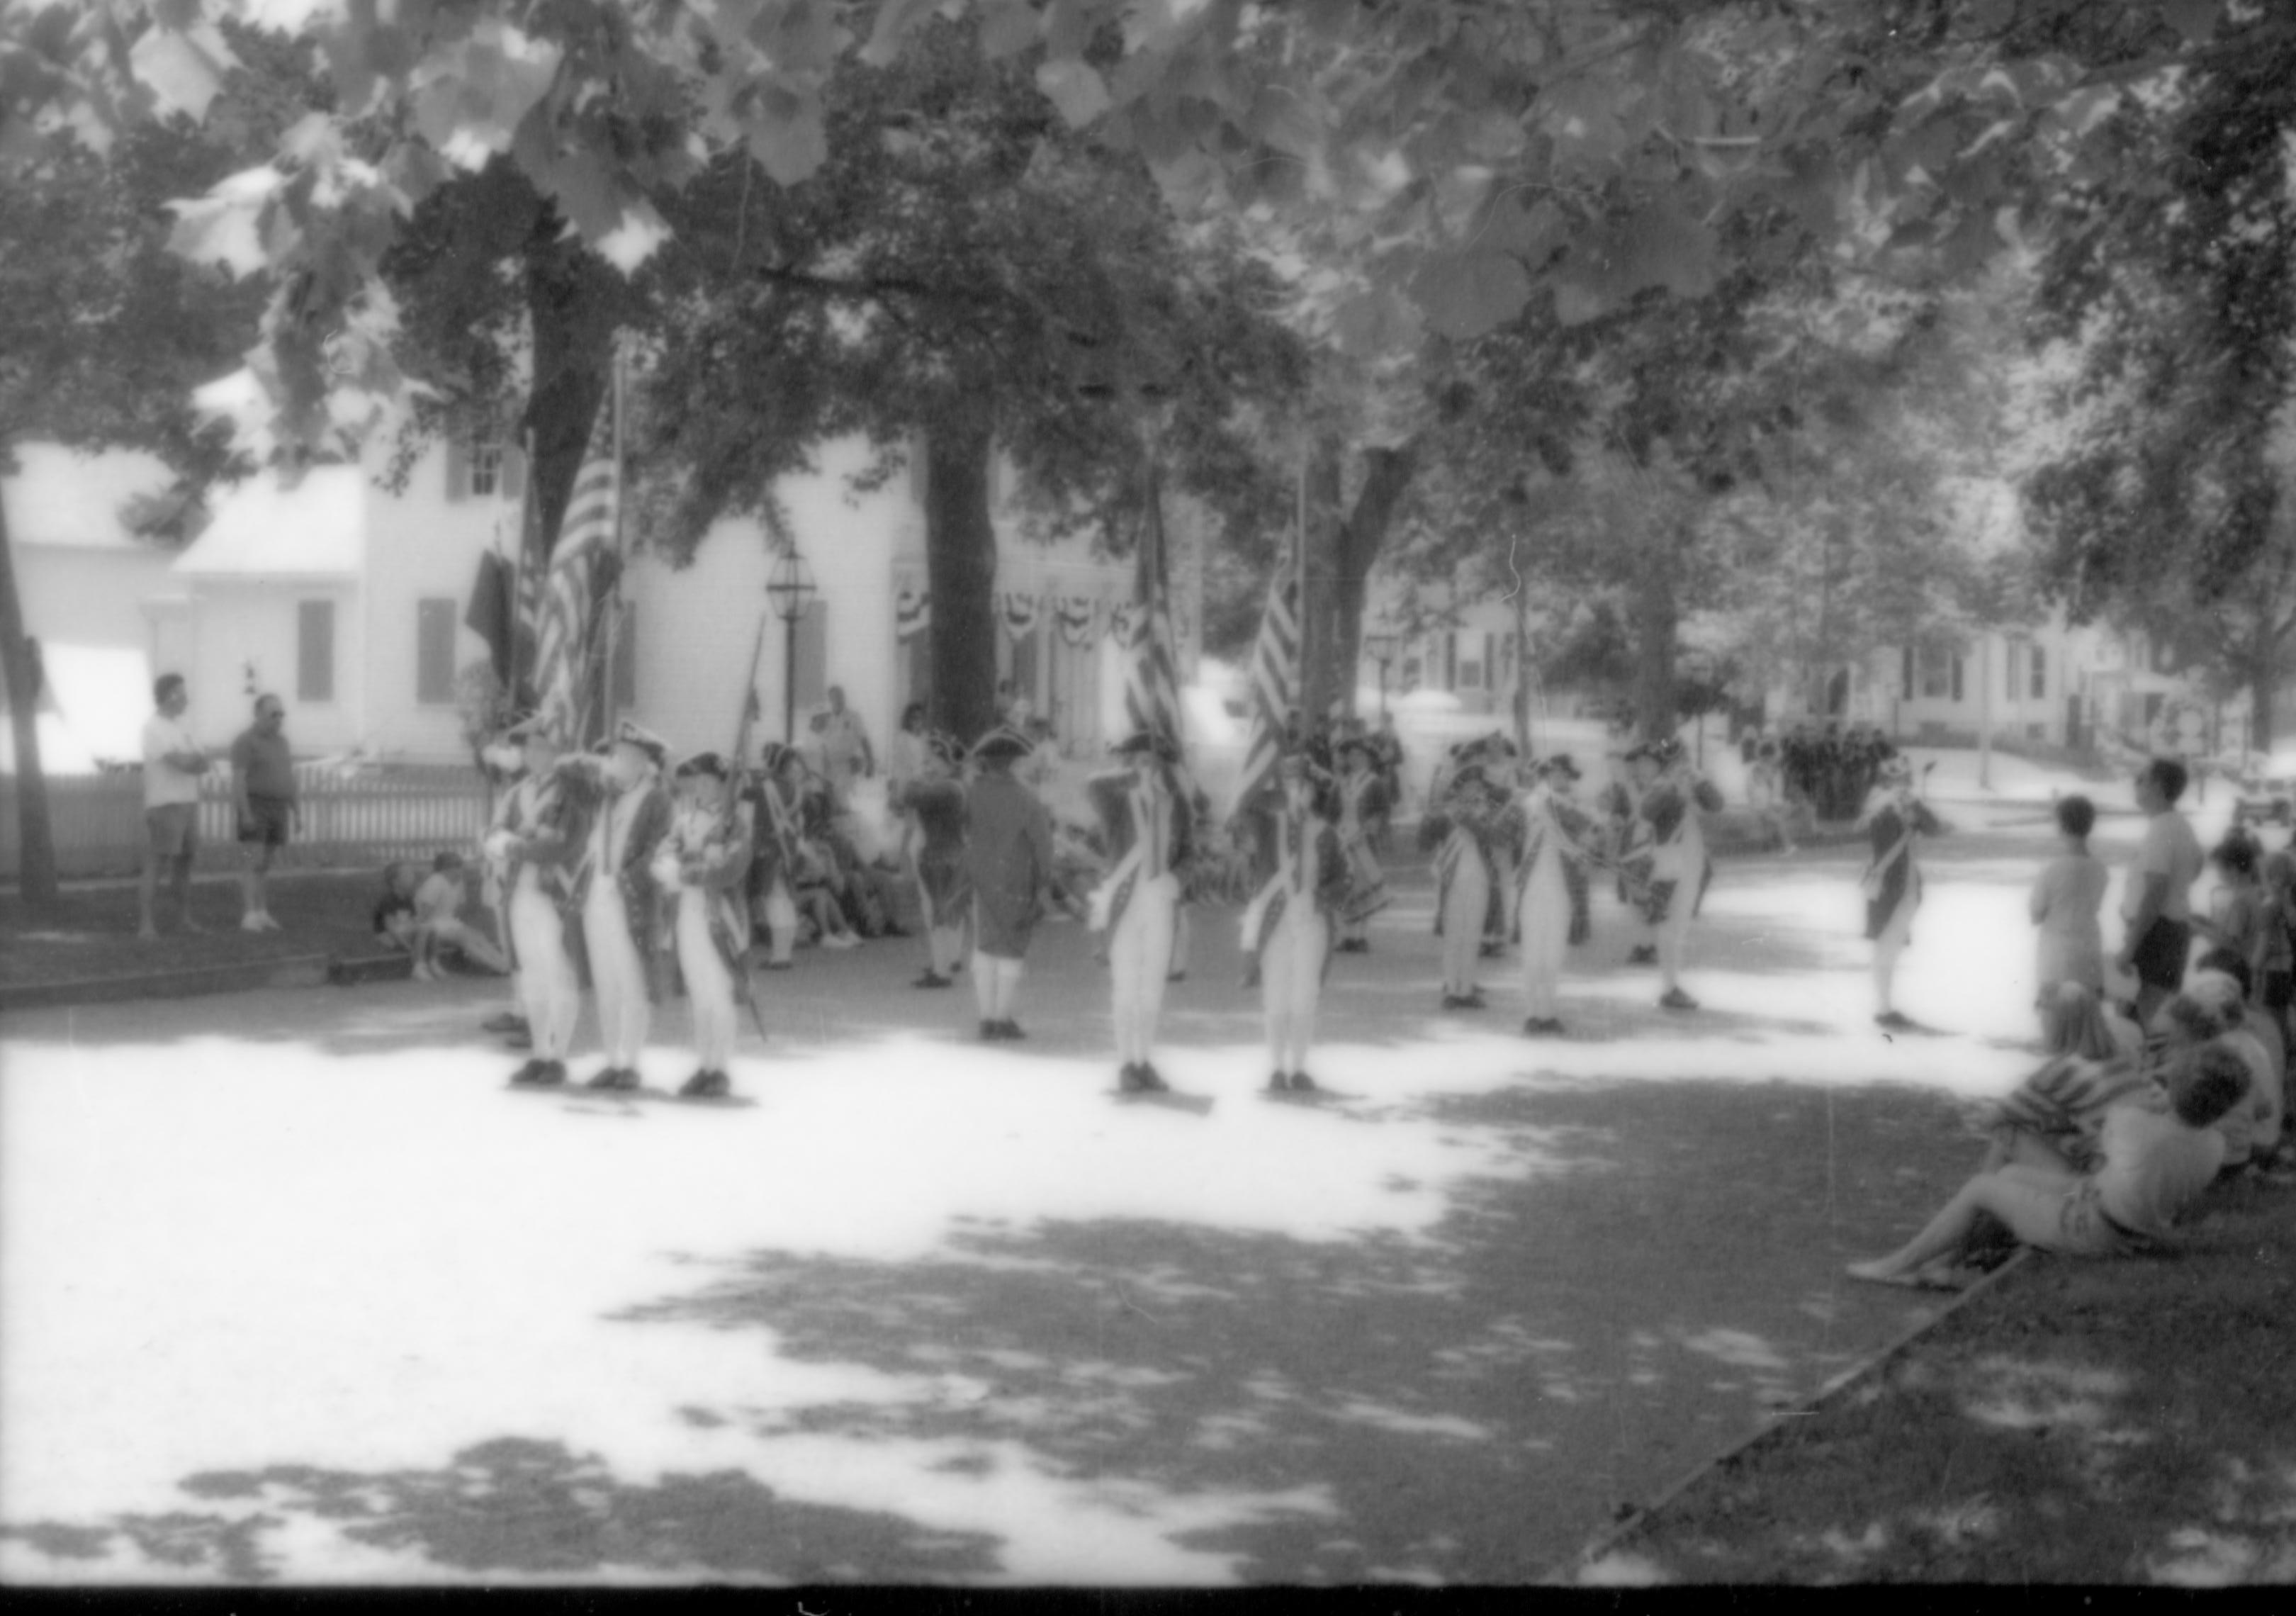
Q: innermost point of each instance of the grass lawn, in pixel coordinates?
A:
(92, 933)
(2091, 1422)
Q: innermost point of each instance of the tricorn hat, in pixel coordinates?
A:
(1561, 766)
(1895, 767)
(535, 726)
(712, 764)
(1148, 741)
(629, 732)
(1002, 742)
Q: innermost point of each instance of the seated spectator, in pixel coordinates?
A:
(2154, 1162)
(815, 892)
(2252, 1129)
(2235, 921)
(394, 911)
(2064, 904)
(439, 923)
(2276, 978)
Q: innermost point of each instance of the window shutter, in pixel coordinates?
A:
(1909, 673)
(434, 654)
(314, 651)
(813, 655)
(2040, 673)
(1450, 659)
(1957, 679)
(458, 467)
(513, 473)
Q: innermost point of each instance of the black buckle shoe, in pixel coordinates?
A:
(1278, 1083)
(614, 1079)
(530, 1076)
(1302, 1083)
(1151, 1081)
(706, 1086)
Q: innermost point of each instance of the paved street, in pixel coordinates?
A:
(295, 1289)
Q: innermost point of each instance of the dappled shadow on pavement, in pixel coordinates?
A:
(1458, 1406)
(521, 1506)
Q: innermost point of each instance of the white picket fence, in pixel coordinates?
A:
(349, 820)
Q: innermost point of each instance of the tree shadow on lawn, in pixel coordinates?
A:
(528, 1507)
(1470, 1402)
(2074, 1430)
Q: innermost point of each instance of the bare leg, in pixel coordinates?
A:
(147, 883)
(182, 888)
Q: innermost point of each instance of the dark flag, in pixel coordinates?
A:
(490, 615)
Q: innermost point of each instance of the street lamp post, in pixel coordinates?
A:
(1381, 648)
(790, 588)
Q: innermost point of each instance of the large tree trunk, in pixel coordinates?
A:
(36, 842)
(961, 571)
(1657, 616)
(1340, 551)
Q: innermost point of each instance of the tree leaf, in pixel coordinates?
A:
(1466, 294)
(1076, 89)
(786, 136)
(2195, 19)
(896, 20)
(1007, 28)
(184, 68)
(1375, 324)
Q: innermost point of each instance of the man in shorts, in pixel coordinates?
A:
(2157, 902)
(173, 763)
(262, 796)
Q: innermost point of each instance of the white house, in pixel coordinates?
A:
(84, 579)
(348, 600)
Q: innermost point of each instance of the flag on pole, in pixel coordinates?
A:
(529, 575)
(579, 595)
(1152, 687)
(1275, 673)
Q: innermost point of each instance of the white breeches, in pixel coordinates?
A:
(617, 975)
(1291, 982)
(708, 984)
(1139, 954)
(549, 992)
(1895, 934)
(995, 985)
(781, 922)
(1545, 937)
(1464, 909)
(1674, 933)
(944, 935)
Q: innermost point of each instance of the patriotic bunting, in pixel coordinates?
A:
(1075, 614)
(585, 570)
(1275, 673)
(912, 613)
(1019, 609)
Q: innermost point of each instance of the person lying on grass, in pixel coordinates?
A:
(2056, 1116)
(2154, 1161)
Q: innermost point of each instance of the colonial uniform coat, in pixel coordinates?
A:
(1462, 830)
(938, 809)
(1892, 881)
(706, 858)
(1364, 804)
(1302, 882)
(1008, 843)
(1559, 838)
(541, 827)
(1148, 832)
(618, 900)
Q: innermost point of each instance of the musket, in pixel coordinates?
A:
(737, 761)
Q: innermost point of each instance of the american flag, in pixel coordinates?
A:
(583, 570)
(1275, 673)
(1152, 687)
(530, 569)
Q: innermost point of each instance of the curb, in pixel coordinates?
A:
(1780, 1421)
(289, 971)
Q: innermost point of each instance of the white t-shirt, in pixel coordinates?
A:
(163, 783)
(2251, 1127)
(2168, 849)
(2154, 1167)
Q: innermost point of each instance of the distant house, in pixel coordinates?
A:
(86, 581)
(348, 600)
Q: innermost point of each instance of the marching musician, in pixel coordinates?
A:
(1364, 804)
(1148, 830)
(1670, 854)
(1894, 818)
(933, 803)
(1561, 838)
(700, 866)
(778, 817)
(1462, 828)
(540, 829)
(1008, 855)
(1501, 764)
(1303, 880)
(1621, 805)
(615, 893)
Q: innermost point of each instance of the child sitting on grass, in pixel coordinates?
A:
(2154, 1162)
(394, 911)
(439, 922)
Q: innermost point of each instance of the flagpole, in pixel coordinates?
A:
(613, 612)
(1305, 618)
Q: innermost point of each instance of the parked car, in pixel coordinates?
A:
(2267, 787)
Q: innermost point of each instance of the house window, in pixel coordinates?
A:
(314, 651)
(434, 653)
(2013, 662)
(2040, 673)
(485, 458)
(1940, 675)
